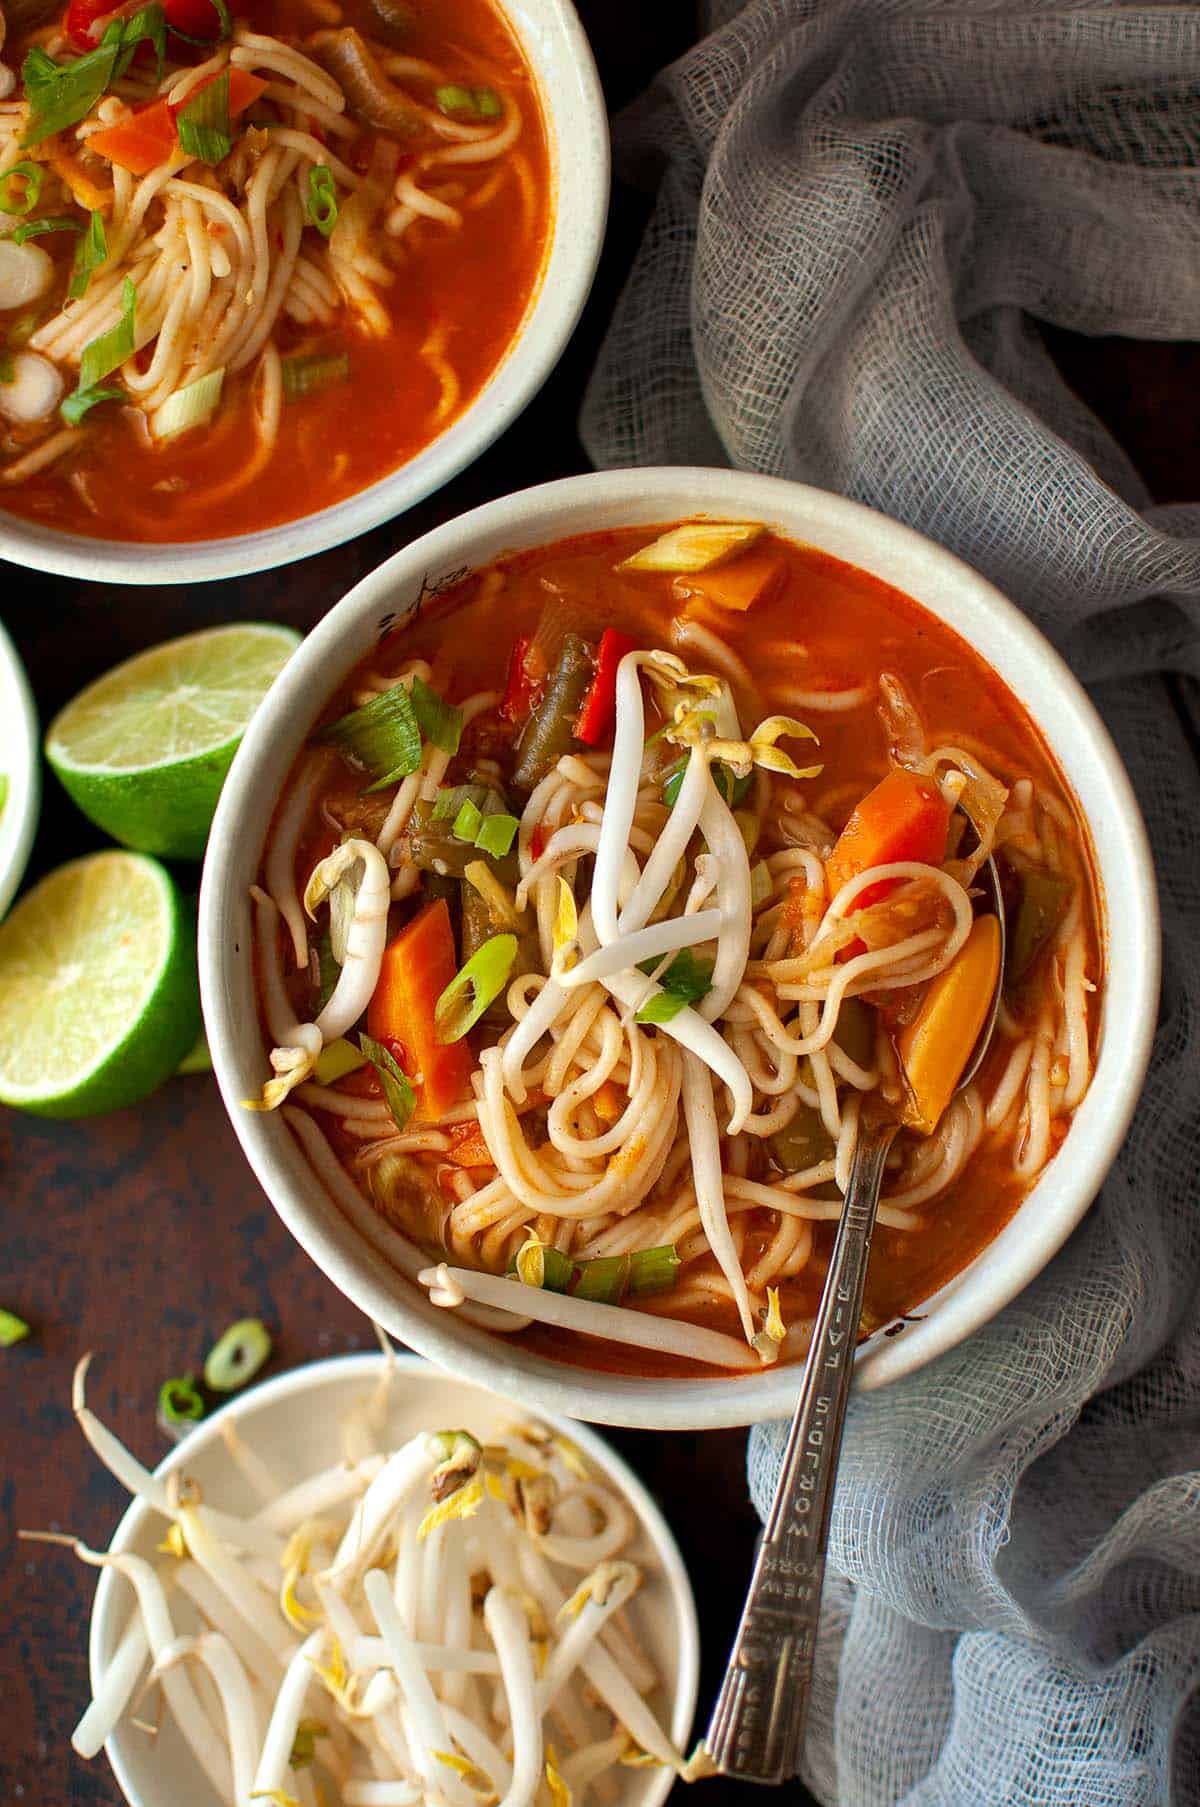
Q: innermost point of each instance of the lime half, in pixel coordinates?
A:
(144, 750)
(99, 1001)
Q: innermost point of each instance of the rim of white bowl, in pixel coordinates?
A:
(335, 1371)
(573, 109)
(950, 590)
(20, 763)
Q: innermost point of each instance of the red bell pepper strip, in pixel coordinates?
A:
(144, 141)
(594, 723)
(81, 18)
(194, 19)
(526, 675)
(417, 967)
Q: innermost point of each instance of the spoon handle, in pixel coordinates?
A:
(757, 1726)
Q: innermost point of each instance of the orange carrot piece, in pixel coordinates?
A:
(904, 818)
(417, 967)
(739, 582)
(84, 190)
(145, 141)
(468, 1148)
(935, 1047)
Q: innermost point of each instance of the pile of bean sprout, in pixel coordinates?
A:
(445, 1623)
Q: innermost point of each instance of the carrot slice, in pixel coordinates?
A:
(904, 818)
(468, 1148)
(86, 192)
(747, 579)
(417, 967)
(146, 140)
(936, 1046)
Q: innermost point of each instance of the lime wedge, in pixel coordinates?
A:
(144, 750)
(99, 1001)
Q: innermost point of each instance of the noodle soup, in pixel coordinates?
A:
(615, 887)
(244, 283)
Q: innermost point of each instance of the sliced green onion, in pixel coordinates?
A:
(452, 99)
(382, 737)
(237, 1356)
(48, 223)
(304, 1751)
(468, 822)
(732, 789)
(113, 347)
(336, 1060)
(84, 400)
(321, 206)
(685, 981)
(653, 1270)
(439, 721)
(8, 370)
(474, 987)
(761, 885)
(316, 370)
(12, 1329)
(203, 122)
(537, 1264)
(90, 253)
(397, 1089)
(497, 834)
(224, 29)
(25, 199)
(487, 103)
(451, 798)
(329, 970)
(149, 25)
(179, 1402)
(61, 94)
(188, 407)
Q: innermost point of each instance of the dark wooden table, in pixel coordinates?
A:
(140, 1235)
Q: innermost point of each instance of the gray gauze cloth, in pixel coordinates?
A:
(859, 208)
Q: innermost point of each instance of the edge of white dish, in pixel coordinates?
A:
(20, 763)
(137, 1532)
(951, 590)
(576, 121)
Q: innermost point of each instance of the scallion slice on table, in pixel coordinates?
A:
(474, 987)
(397, 1087)
(203, 122)
(237, 1355)
(180, 1400)
(12, 1329)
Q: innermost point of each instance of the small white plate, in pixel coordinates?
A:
(293, 1421)
(20, 766)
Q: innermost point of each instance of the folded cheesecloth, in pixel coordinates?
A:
(861, 210)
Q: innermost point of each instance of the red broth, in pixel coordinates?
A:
(829, 627)
(464, 292)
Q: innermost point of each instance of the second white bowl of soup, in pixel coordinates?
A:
(272, 290)
(632, 873)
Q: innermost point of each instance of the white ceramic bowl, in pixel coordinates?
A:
(20, 767)
(950, 590)
(573, 108)
(293, 1421)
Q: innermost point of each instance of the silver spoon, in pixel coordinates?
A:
(757, 1726)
